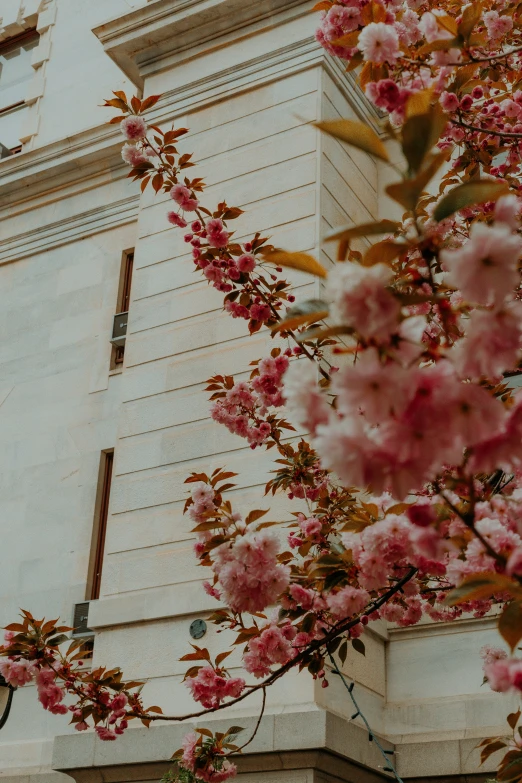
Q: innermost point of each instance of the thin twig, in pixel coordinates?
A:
(359, 714)
(503, 134)
(257, 724)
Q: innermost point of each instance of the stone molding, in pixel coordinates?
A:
(313, 739)
(142, 41)
(61, 232)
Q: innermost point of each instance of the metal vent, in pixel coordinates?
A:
(119, 329)
(81, 615)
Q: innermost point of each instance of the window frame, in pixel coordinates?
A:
(123, 300)
(99, 530)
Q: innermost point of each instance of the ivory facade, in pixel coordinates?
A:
(246, 77)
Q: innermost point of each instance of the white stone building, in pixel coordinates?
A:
(246, 76)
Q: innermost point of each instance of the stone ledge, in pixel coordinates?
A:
(303, 731)
(283, 738)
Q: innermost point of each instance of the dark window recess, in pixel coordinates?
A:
(100, 525)
(119, 330)
(16, 73)
(81, 615)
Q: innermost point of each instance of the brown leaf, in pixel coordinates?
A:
(301, 261)
(510, 624)
(383, 252)
(149, 102)
(478, 586)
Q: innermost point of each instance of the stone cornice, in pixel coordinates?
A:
(85, 224)
(74, 159)
(164, 27)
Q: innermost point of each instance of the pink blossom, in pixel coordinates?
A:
(498, 675)
(491, 654)
(106, 735)
(336, 23)
(133, 156)
(133, 127)
(260, 312)
(303, 598)
(429, 27)
(497, 25)
(189, 743)
(484, 269)
(182, 196)
(368, 385)
(210, 688)
(81, 726)
(271, 646)
(507, 209)
(306, 404)
(310, 527)
(379, 43)
(514, 563)
(449, 101)
(387, 95)
(347, 602)
(50, 696)
(249, 574)
(176, 220)
(17, 673)
(217, 236)
(492, 343)
(361, 300)
(246, 262)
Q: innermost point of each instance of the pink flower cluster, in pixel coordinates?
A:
(394, 542)
(50, 694)
(244, 406)
(203, 505)
(211, 772)
(361, 300)
(273, 645)
(249, 574)
(347, 602)
(17, 673)
(133, 128)
(210, 688)
(504, 674)
(396, 427)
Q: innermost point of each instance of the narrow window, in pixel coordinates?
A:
(15, 74)
(122, 306)
(100, 525)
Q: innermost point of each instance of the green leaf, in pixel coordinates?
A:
(419, 135)
(510, 624)
(356, 134)
(469, 194)
(407, 192)
(343, 651)
(358, 646)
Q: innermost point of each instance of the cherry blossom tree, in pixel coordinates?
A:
(388, 403)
